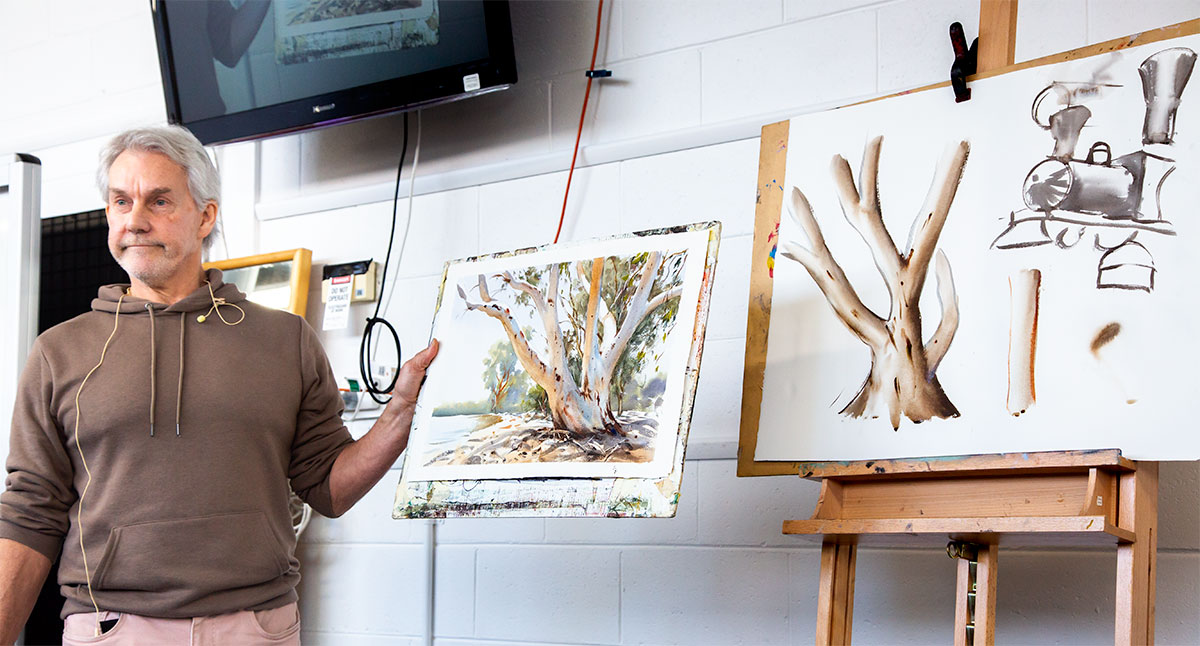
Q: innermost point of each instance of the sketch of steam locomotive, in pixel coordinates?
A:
(1115, 198)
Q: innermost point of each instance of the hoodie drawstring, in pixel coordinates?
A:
(153, 367)
(217, 304)
(179, 388)
(154, 370)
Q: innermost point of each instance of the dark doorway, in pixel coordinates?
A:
(75, 263)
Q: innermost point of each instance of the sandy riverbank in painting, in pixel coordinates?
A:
(528, 438)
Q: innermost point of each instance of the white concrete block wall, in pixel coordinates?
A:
(720, 572)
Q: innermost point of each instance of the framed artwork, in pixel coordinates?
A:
(564, 371)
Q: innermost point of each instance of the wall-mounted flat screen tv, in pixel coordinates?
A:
(243, 69)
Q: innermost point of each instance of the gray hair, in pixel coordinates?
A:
(181, 147)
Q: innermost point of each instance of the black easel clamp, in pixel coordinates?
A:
(598, 74)
(965, 62)
(962, 550)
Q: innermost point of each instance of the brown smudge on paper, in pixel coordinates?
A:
(1106, 334)
(1103, 338)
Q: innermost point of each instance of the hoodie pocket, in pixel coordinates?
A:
(223, 551)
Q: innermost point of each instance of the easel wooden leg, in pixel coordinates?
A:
(962, 609)
(985, 595)
(975, 594)
(835, 598)
(1137, 564)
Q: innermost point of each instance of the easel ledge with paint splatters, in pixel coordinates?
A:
(969, 504)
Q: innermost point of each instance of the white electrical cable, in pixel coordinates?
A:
(429, 536)
(412, 176)
(357, 406)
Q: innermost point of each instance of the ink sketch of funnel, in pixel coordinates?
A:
(1111, 197)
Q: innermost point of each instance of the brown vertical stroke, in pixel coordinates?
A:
(1024, 305)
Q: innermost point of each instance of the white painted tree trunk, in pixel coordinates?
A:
(581, 409)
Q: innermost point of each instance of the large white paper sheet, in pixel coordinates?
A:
(1115, 355)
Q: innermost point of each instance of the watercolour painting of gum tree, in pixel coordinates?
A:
(578, 373)
(902, 379)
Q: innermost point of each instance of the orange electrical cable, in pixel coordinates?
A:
(582, 114)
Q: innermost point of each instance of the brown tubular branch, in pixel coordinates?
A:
(1022, 339)
(830, 278)
(940, 341)
(862, 211)
(606, 322)
(927, 227)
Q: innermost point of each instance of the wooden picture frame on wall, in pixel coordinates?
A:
(279, 279)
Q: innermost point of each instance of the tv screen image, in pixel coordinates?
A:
(243, 69)
(310, 31)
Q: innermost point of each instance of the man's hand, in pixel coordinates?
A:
(363, 463)
(408, 386)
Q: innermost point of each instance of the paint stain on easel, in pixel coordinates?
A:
(1104, 337)
(773, 240)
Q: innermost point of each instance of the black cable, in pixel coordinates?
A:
(364, 353)
(364, 360)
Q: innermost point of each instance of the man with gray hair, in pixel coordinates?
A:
(176, 531)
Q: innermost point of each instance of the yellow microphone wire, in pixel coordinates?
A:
(79, 516)
(217, 302)
(216, 307)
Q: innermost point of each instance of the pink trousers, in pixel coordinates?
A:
(275, 626)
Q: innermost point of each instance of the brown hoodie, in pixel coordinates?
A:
(178, 521)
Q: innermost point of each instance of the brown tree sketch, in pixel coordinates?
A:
(580, 399)
(903, 376)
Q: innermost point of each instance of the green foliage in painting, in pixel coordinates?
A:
(503, 378)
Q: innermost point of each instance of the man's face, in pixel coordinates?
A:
(155, 231)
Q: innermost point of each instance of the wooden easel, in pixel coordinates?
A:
(979, 503)
(975, 503)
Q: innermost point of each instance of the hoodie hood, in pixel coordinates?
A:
(197, 301)
(209, 298)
